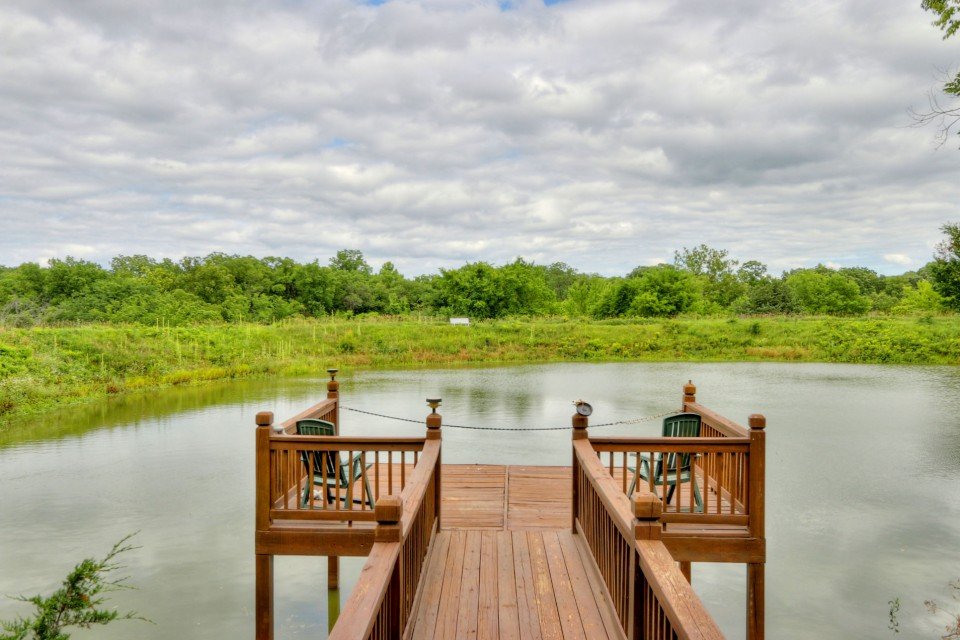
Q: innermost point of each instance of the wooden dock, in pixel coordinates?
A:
(599, 549)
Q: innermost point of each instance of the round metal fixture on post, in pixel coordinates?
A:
(583, 408)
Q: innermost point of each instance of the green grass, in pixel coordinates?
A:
(41, 368)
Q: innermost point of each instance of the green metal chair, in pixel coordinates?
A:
(681, 425)
(327, 469)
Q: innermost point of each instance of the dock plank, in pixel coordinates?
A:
(570, 618)
(507, 615)
(446, 625)
(543, 587)
(487, 614)
(526, 591)
(467, 619)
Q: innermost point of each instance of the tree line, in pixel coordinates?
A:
(230, 288)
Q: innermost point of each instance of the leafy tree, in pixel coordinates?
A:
(945, 116)
(716, 269)
(137, 265)
(616, 298)
(751, 272)
(664, 291)
(920, 299)
(350, 260)
(823, 291)
(768, 296)
(560, 277)
(945, 268)
(69, 277)
(584, 295)
(480, 290)
(77, 603)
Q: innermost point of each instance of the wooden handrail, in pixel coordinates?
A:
(713, 420)
(652, 598)
(326, 409)
(381, 601)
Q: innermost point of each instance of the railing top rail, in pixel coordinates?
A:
(319, 409)
(671, 445)
(717, 421)
(344, 443)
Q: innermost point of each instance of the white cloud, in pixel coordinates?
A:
(432, 132)
(900, 259)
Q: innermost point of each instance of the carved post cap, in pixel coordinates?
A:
(434, 419)
(647, 507)
(333, 373)
(689, 392)
(389, 510)
(757, 421)
(264, 418)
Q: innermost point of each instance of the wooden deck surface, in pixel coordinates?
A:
(530, 585)
(510, 498)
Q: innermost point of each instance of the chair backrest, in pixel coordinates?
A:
(321, 459)
(681, 425)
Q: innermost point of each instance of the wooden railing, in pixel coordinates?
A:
(651, 597)
(382, 600)
(301, 477)
(717, 472)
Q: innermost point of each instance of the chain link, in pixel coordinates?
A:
(476, 428)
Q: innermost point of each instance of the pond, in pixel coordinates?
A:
(863, 486)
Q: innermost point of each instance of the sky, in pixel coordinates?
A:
(431, 133)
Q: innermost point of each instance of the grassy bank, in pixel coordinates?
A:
(45, 367)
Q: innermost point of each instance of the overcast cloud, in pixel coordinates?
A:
(603, 134)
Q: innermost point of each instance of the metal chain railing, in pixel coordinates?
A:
(476, 428)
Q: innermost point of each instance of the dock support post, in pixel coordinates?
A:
(686, 568)
(264, 588)
(263, 570)
(755, 571)
(580, 424)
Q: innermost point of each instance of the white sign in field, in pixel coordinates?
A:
(462, 321)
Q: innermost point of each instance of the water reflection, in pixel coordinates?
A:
(863, 485)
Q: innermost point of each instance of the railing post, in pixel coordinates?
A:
(755, 570)
(333, 393)
(263, 569)
(646, 509)
(434, 421)
(689, 394)
(333, 562)
(646, 516)
(388, 512)
(580, 424)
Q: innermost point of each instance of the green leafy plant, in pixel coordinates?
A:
(79, 602)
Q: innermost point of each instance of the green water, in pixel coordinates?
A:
(863, 486)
